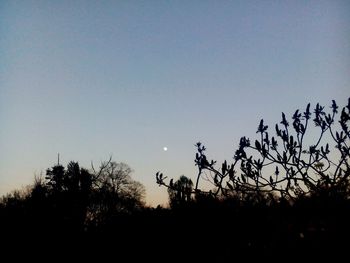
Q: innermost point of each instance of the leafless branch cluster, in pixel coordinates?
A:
(285, 164)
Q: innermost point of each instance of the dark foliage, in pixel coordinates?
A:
(288, 165)
(283, 196)
(180, 192)
(72, 201)
(283, 193)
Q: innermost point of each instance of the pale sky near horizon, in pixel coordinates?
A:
(90, 79)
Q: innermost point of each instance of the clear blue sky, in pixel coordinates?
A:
(90, 79)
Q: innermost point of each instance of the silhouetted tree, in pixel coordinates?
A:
(69, 192)
(55, 177)
(286, 164)
(114, 191)
(286, 192)
(180, 192)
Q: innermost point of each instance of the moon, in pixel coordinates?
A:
(165, 149)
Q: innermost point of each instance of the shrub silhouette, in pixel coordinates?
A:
(285, 193)
(285, 165)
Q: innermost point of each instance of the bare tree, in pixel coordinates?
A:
(114, 191)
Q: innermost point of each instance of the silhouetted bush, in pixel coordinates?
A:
(285, 165)
(284, 193)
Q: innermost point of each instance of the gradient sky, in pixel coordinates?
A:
(90, 79)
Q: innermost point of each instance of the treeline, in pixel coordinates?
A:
(286, 193)
(72, 199)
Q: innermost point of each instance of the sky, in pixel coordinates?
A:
(94, 79)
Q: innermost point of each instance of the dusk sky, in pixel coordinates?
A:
(91, 79)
